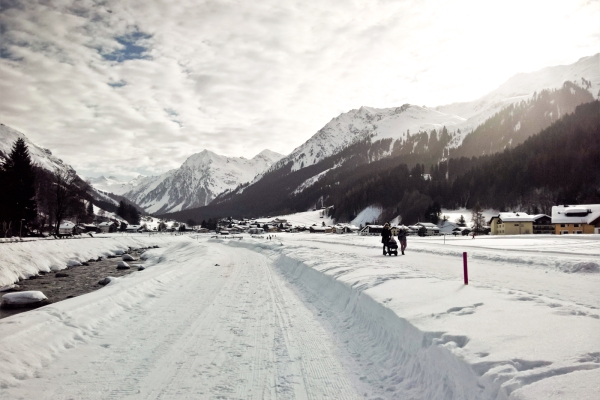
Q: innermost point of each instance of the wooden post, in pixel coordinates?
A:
(466, 273)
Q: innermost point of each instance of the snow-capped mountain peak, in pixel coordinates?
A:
(39, 155)
(198, 181)
(396, 123)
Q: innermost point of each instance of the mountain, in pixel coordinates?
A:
(39, 155)
(459, 118)
(197, 182)
(114, 185)
(521, 107)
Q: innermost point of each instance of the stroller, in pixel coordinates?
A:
(392, 247)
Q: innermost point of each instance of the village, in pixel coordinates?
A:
(565, 219)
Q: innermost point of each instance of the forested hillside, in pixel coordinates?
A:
(559, 165)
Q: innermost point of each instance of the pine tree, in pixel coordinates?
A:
(90, 209)
(122, 210)
(18, 175)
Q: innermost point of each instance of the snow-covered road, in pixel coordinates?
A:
(311, 317)
(226, 326)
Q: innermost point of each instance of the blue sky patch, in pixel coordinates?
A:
(132, 48)
(120, 83)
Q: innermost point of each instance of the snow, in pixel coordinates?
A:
(317, 316)
(560, 214)
(454, 215)
(310, 181)
(198, 181)
(39, 155)
(23, 298)
(368, 215)
(393, 123)
(307, 219)
(22, 260)
(114, 185)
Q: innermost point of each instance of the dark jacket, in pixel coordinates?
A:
(386, 234)
(402, 234)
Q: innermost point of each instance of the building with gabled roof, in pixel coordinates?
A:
(520, 223)
(576, 219)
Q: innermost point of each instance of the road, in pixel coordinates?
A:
(230, 328)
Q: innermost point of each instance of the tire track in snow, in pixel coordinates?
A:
(230, 331)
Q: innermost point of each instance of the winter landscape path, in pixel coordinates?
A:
(227, 327)
(311, 317)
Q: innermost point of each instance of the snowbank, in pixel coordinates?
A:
(520, 326)
(22, 260)
(31, 340)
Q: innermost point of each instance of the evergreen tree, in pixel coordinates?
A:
(19, 203)
(122, 210)
(90, 209)
(433, 212)
(461, 221)
(132, 215)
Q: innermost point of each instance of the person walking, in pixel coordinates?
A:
(402, 234)
(386, 234)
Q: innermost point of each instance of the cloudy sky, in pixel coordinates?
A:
(136, 86)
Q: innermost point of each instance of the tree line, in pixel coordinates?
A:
(556, 166)
(36, 200)
(33, 198)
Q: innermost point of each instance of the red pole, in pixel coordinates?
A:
(465, 268)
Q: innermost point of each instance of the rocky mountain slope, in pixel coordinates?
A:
(521, 107)
(460, 119)
(197, 182)
(39, 155)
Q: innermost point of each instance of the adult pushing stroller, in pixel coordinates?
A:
(392, 247)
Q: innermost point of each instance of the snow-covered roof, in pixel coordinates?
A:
(518, 217)
(579, 214)
(67, 225)
(133, 227)
(105, 224)
(427, 225)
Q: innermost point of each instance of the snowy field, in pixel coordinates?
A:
(314, 316)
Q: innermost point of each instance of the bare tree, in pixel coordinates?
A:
(63, 194)
(477, 218)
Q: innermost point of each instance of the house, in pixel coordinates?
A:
(371, 230)
(430, 229)
(88, 228)
(345, 228)
(66, 228)
(256, 231)
(542, 225)
(461, 230)
(203, 230)
(579, 219)
(519, 223)
(134, 228)
(106, 227)
(321, 229)
(447, 227)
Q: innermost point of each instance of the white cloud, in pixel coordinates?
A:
(238, 77)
